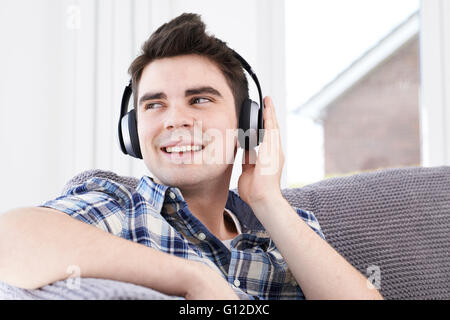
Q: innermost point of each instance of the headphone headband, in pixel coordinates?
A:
(250, 71)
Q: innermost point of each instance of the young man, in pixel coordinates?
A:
(184, 232)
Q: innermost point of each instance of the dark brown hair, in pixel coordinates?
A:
(184, 35)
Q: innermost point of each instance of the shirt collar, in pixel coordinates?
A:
(159, 194)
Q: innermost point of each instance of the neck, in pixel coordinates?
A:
(207, 203)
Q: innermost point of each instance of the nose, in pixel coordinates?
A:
(177, 117)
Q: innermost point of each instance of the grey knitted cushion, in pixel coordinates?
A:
(85, 289)
(395, 219)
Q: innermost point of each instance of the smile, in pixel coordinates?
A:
(183, 149)
(180, 153)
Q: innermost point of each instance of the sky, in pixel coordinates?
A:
(323, 37)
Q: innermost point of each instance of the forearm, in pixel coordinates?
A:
(37, 247)
(321, 272)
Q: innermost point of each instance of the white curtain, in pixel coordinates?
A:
(435, 82)
(63, 70)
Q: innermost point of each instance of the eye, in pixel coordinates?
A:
(200, 100)
(152, 106)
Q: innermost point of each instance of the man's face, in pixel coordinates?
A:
(186, 101)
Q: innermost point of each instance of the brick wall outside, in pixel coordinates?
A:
(375, 124)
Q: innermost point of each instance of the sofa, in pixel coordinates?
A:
(393, 225)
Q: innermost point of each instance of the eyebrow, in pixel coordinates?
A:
(189, 92)
(201, 90)
(151, 96)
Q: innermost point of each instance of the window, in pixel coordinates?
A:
(352, 87)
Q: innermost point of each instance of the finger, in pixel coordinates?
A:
(274, 120)
(271, 123)
(267, 115)
(273, 112)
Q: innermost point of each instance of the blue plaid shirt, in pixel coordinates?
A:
(157, 216)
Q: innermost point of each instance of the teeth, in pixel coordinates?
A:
(184, 148)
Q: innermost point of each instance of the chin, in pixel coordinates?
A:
(188, 175)
(177, 179)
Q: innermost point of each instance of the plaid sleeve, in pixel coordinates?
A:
(311, 220)
(98, 201)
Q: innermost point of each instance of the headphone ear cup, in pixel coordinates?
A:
(249, 125)
(130, 138)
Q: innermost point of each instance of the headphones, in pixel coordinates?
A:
(251, 123)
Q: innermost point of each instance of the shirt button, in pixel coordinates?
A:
(201, 236)
(237, 283)
(172, 195)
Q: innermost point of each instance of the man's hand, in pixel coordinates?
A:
(261, 175)
(321, 271)
(208, 285)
